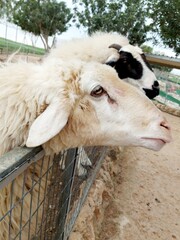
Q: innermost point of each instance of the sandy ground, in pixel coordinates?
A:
(136, 195)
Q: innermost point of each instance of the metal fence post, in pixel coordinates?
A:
(67, 181)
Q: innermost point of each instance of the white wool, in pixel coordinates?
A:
(96, 48)
(134, 50)
(31, 95)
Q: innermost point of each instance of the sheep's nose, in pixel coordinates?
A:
(166, 130)
(164, 124)
(155, 84)
(152, 93)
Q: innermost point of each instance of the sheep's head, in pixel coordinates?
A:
(98, 109)
(131, 64)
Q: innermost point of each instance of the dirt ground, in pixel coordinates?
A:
(136, 195)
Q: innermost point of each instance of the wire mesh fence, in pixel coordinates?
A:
(169, 88)
(41, 197)
(167, 71)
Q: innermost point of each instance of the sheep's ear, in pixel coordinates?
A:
(48, 124)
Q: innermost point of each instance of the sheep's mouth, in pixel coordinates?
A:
(154, 143)
(160, 140)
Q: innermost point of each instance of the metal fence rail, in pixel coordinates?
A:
(41, 197)
(163, 61)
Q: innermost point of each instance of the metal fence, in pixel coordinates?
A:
(41, 197)
(167, 71)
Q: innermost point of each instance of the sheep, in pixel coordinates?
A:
(63, 104)
(114, 50)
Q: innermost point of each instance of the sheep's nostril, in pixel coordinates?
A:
(155, 84)
(165, 125)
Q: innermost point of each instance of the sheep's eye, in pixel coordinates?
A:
(98, 91)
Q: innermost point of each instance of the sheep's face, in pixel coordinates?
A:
(131, 65)
(101, 110)
(122, 115)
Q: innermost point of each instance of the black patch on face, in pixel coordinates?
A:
(127, 66)
(146, 62)
(152, 93)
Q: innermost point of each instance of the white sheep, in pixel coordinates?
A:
(67, 104)
(115, 50)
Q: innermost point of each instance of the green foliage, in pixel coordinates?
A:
(41, 17)
(5, 7)
(127, 17)
(162, 68)
(147, 49)
(166, 17)
(2, 6)
(133, 19)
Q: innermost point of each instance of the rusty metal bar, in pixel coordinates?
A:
(163, 61)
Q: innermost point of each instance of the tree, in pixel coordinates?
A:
(2, 6)
(166, 21)
(43, 18)
(147, 49)
(127, 17)
(5, 7)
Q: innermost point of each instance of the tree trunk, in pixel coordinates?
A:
(53, 42)
(44, 39)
